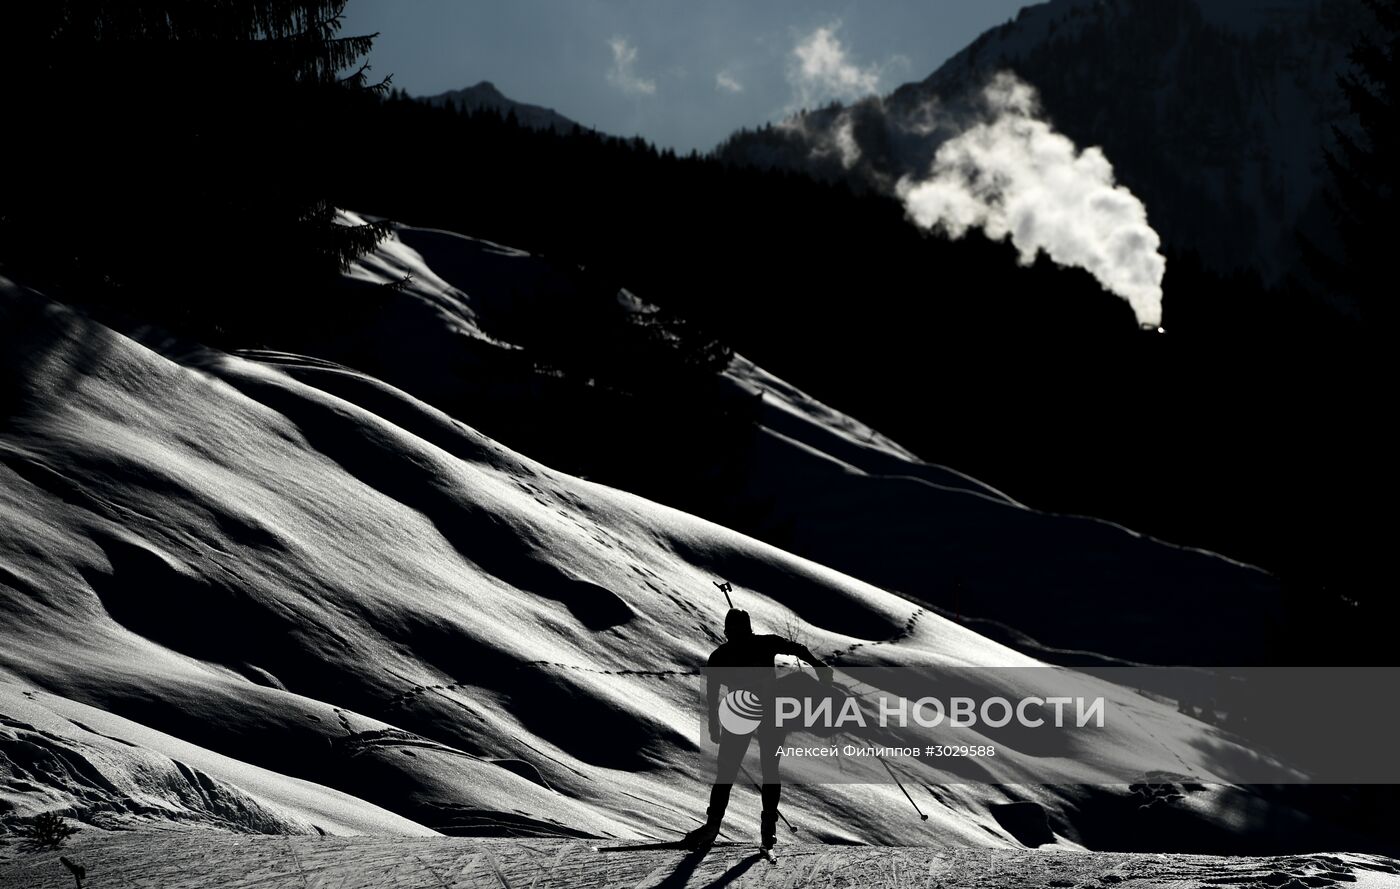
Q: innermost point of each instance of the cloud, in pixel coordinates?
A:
(1012, 175)
(728, 82)
(819, 70)
(623, 73)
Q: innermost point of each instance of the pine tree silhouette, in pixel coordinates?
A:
(179, 158)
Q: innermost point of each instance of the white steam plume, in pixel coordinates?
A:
(1013, 176)
(820, 70)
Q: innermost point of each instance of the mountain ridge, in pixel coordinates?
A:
(485, 96)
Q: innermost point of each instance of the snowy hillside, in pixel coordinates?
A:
(281, 595)
(832, 489)
(1214, 113)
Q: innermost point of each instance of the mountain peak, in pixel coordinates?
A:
(485, 95)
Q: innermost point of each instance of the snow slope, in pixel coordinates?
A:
(281, 595)
(117, 772)
(830, 488)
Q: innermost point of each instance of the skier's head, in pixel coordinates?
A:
(736, 624)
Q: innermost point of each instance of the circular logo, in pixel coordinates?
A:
(740, 712)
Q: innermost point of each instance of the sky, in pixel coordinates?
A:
(680, 73)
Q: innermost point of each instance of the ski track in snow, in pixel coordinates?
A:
(199, 859)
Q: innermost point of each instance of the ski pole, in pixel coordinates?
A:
(760, 793)
(922, 816)
(725, 587)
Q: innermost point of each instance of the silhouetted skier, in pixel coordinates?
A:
(745, 661)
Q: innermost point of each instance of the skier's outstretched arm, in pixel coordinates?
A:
(798, 650)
